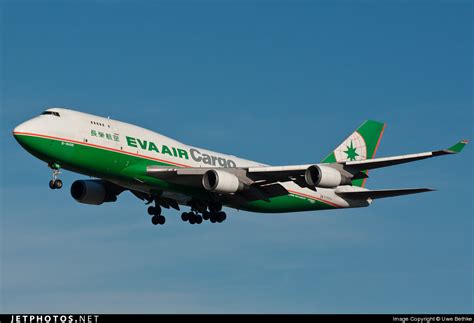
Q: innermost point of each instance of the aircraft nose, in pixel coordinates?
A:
(21, 131)
(21, 128)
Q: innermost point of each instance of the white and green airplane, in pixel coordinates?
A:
(168, 173)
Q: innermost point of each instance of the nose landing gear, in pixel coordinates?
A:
(55, 183)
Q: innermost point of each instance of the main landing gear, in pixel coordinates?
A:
(200, 212)
(55, 183)
(156, 217)
(197, 215)
(155, 212)
(193, 217)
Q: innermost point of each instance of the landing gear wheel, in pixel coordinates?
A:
(192, 219)
(185, 216)
(213, 218)
(206, 215)
(161, 219)
(58, 184)
(154, 211)
(198, 219)
(55, 184)
(155, 219)
(157, 210)
(221, 216)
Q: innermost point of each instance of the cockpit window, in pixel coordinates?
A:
(52, 113)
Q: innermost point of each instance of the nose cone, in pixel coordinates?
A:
(21, 128)
(21, 131)
(31, 136)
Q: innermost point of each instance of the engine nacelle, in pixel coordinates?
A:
(323, 176)
(93, 192)
(220, 181)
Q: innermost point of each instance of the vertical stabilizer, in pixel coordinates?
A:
(360, 145)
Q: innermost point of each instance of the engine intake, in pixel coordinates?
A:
(323, 176)
(219, 181)
(93, 192)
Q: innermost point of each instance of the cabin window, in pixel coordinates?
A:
(54, 113)
(98, 123)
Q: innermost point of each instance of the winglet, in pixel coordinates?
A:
(457, 147)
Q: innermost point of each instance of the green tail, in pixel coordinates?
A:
(360, 145)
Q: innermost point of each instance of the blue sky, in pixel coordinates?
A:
(278, 82)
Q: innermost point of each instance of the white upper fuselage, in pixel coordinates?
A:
(87, 128)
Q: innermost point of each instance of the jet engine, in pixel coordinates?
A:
(220, 181)
(324, 176)
(93, 192)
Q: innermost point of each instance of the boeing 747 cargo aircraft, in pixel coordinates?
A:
(166, 173)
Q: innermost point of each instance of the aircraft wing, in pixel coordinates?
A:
(350, 169)
(261, 182)
(395, 160)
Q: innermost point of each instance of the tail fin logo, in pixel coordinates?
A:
(353, 148)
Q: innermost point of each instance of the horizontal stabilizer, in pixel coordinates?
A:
(377, 194)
